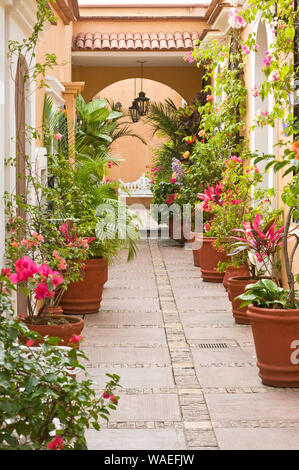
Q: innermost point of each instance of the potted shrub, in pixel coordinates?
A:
(89, 200)
(262, 245)
(41, 402)
(99, 216)
(209, 255)
(42, 283)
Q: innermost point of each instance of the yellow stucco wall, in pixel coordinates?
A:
(186, 81)
(58, 40)
(134, 154)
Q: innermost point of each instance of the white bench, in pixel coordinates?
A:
(138, 188)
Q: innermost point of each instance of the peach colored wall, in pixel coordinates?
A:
(57, 40)
(186, 81)
(123, 26)
(135, 154)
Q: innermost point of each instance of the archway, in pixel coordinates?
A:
(186, 80)
(262, 138)
(134, 154)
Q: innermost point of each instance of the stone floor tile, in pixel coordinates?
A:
(224, 356)
(124, 336)
(128, 356)
(238, 333)
(107, 319)
(136, 439)
(274, 406)
(210, 377)
(151, 407)
(151, 377)
(258, 439)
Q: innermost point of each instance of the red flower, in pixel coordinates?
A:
(75, 339)
(5, 272)
(30, 342)
(56, 444)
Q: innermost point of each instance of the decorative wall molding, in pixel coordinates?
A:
(55, 90)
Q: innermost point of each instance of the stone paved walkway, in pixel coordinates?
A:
(187, 370)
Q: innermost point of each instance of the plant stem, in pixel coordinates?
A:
(289, 260)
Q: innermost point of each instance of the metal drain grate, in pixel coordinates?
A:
(212, 345)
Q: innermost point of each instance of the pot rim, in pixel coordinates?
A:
(77, 319)
(276, 314)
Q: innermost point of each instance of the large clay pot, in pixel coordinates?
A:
(209, 258)
(177, 234)
(276, 338)
(233, 271)
(236, 287)
(63, 326)
(85, 296)
(196, 257)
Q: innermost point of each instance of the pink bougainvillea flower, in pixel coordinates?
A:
(189, 58)
(172, 180)
(235, 159)
(106, 395)
(246, 50)
(267, 59)
(42, 291)
(235, 20)
(45, 271)
(5, 272)
(56, 444)
(113, 399)
(75, 339)
(255, 92)
(58, 136)
(57, 280)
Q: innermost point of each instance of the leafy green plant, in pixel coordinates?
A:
(43, 403)
(266, 294)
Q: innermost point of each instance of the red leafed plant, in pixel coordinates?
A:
(262, 243)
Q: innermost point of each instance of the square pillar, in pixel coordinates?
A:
(72, 90)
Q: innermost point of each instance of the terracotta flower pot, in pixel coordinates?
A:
(236, 287)
(85, 296)
(276, 338)
(209, 258)
(196, 257)
(180, 237)
(233, 271)
(63, 326)
(54, 311)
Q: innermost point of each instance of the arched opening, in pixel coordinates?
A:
(262, 138)
(132, 152)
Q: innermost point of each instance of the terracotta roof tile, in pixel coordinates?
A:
(135, 41)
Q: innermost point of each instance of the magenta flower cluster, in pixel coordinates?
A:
(43, 276)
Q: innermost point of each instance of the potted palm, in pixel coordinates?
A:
(88, 199)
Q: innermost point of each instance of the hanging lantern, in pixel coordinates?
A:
(142, 101)
(134, 111)
(118, 106)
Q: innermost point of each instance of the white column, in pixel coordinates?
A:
(2, 129)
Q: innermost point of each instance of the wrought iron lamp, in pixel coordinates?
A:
(134, 111)
(142, 101)
(118, 106)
